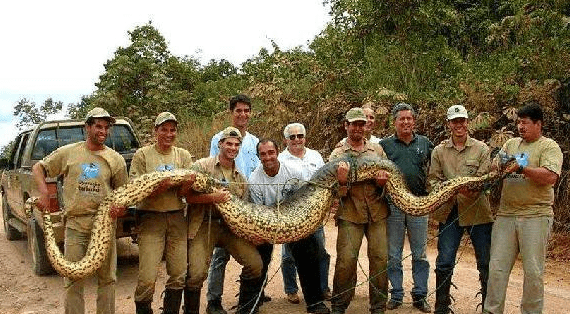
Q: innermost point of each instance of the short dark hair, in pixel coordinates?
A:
(401, 106)
(266, 140)
(239, 98)
(532, 110)
(90, 121)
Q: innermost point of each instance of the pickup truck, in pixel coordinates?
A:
(17, 183)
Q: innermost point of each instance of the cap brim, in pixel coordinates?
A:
(458, 116)
(357, 119)
(108, 118)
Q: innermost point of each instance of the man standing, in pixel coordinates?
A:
(162, 224)
(207, 229)
(269, 184)
(459, 156)
(525, 214)
(370, 124)
(411, 153)
(91, 170)
(246, 161)
(363, 213)
(309, 161)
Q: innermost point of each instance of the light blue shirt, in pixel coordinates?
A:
(267, 190)
(246, 160)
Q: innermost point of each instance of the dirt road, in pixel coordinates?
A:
(22, 292)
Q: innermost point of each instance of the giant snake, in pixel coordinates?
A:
(296, 218)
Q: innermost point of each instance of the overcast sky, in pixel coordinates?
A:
(57, 48)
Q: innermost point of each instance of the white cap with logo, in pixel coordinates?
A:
(457, 111)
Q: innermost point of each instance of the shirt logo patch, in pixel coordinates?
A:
(89, 171)
(167, 167)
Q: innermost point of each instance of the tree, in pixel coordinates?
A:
(28, 112)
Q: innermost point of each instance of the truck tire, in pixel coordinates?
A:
(11, 232)
(41, 265)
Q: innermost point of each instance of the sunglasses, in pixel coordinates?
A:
(299, 136)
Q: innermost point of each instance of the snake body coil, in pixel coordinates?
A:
(292, 220)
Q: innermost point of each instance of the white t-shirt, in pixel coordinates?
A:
(268, 190)
(309, 164)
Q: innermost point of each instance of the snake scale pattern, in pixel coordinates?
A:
(292, 220)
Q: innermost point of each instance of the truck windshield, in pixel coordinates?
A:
(120, 139)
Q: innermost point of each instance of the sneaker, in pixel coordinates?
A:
(319, 308)
(293, 298)
(215, 307)
(422, 305)
(393, 304)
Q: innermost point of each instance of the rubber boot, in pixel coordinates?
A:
(171, 302)
(249, 296)
(215, 307)
(143, 307)
(442, 296)
(483, 292)
(191, 301)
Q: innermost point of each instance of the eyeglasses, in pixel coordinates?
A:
(299, 136)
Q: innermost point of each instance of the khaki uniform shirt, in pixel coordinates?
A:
(521, 196)
(448, 162)
(197, 212)
(149, 159)
(88, 176)
(364, 202)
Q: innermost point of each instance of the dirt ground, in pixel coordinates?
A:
(23, 292)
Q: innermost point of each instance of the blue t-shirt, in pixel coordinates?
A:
(246, 160)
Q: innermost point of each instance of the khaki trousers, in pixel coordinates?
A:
(161, 233)
(349, 240)
(75, 247)
(513, 235)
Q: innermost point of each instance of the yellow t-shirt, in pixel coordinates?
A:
(149, 159)
(521, 196)
(88, 177)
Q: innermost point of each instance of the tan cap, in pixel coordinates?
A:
(356, 114)
(230, 131)
(163, 117)
(457, 111)
(99, 113)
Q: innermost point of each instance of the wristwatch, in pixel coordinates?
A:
(520, 170)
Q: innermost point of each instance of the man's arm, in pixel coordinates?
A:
(540, 175)
(39, 174)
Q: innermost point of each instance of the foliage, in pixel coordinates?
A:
(29, 113)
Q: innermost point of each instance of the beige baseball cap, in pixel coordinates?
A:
(457, 111)
(163, 117)
(230, 132)
(99, 113)
(356, 114)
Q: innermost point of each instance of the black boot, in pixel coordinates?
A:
(215, 307)
(249, 296)
(171, 302)
(483, 279)
(143, 307)
(191, 301)
(442, 296)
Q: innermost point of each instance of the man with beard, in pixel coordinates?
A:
(525, 214)
(309, 161)
(269, 184)
(411, 153)
(363, 213)
(207, 229)
(90, 171)
(460, 156)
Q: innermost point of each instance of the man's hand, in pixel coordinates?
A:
(161, 188)
(117, 211)
(382, 178)
(220, 196)
(43, 203)
(342, 172)
(187, 184)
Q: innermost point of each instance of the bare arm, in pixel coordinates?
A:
(218, 196)
(540, 175)
(38, 172)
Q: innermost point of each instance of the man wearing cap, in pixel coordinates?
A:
(525, 215)
(369, 127)
(309, 161)
(161, 221)
(363, 213)
(411, 153)
(207, 229)
(246, 161)
(469, 211)
(90, 171)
